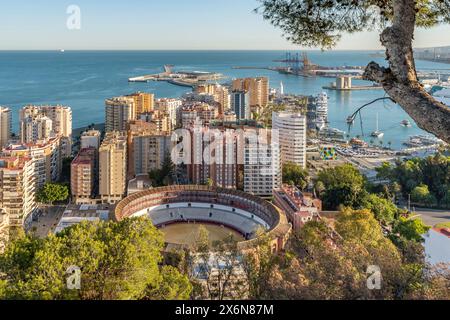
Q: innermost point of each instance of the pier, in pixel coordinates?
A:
(182, 78)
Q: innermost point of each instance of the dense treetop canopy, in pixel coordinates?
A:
(321, 22)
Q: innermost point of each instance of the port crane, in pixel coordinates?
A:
(296, 63)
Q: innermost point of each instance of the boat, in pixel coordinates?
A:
(406, 123)
(334, 133)
(377, 133)
(62, 50)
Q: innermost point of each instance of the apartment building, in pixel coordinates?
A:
(262, 165)
(118, 111)
(18, 189)
(171, 107)
(240, 104)
(113, 167)
(196, 112)
(82, 176)
(36, 128)
(258, 89)
(61, 124)
(4, 229)
(291, 128)
(5, 126)
(90, 139)
(144, 102)
(46, 157)
(214, 157)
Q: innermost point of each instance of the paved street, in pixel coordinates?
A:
(48, 221)
(433, 217)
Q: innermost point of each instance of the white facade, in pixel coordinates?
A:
(172, 107)
(90, 139)
(291, 127)
(262, 166)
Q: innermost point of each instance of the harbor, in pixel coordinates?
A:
(181, 78)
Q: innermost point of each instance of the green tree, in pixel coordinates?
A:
(163, 177)
(327, 266)
(384, 210)
(53, 192)
(171, 285)
(259, 265)
(344, 185)
(421, 194)
(322, 23)
(410, 229)
(117, 261)
(294, 174)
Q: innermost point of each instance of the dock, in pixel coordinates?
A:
(181, 78)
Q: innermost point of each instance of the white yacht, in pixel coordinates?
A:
(377, 133)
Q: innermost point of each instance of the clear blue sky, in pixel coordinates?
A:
(158, 24)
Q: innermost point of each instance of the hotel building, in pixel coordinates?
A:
(291, 128)
(5, 126)
(113, 167)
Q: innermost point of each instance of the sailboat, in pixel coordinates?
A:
(377, 133)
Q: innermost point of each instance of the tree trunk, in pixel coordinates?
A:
(400, 79)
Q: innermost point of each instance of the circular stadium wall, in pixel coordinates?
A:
(192, 204)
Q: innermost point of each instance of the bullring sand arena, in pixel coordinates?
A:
(179, 212)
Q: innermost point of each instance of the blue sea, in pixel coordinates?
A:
(84, 79)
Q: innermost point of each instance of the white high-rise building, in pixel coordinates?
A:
(321, 110)
(291, 128)
(5, 126)
(262, 166)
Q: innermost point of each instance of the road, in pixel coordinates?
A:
(433, 217)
